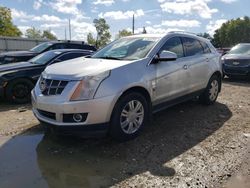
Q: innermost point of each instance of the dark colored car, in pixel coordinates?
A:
(19, 56)
(236, 63)
(18, 79)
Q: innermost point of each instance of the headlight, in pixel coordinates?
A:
(87, 87)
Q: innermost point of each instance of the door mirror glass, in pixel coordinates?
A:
(167, 56)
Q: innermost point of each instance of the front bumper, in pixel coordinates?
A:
(53, 112)
(236, 70)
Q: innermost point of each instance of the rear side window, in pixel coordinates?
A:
(80, 46)
(57, 46)
(205, 47)
(192, 46)
(174, 45)
(71, 56)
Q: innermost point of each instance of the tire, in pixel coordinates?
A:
(211, 92)
(132, 122)
(18, 91)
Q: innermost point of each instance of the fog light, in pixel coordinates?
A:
(77, 117)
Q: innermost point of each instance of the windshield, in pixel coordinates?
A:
(240, 49)
(127, 48)
(39, 48)
(44, 57)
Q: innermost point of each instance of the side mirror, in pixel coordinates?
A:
(166, 56)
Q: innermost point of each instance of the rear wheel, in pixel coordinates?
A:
(211, 92)
(129, 116)
(18, 91)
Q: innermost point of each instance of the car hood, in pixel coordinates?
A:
(16, 66)
(18, 53)
(76, 69)
(236, 56)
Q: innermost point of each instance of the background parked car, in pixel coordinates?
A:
(18, 79)
(18, 56)
(223, 51)
(236, 62)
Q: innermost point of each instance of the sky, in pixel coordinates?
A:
(157, 16)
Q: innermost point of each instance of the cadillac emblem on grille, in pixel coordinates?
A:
(42, 84)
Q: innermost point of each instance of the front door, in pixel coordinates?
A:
(171, 76)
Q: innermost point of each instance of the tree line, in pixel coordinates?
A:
(7, 28)
(229, 34)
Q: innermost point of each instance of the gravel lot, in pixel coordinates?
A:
(189, 145)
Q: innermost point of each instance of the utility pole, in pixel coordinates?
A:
(133, 24)
(65, 33)
(95, 21)
(69, 30)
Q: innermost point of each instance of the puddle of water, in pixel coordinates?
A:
(18, 164)
(39, 161)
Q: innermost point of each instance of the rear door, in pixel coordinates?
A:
(171, 77)
(196, 63)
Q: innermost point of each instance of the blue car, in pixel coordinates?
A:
(236, 63)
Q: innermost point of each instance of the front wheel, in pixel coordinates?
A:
(211, 92)
(18, 91)
(129, 116)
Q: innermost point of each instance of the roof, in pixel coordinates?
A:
(69, 50)
(146, 35)
(167, 33)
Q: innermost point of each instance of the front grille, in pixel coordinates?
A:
(47, 114)
(52, 87)
(236, 71)
(237, 62)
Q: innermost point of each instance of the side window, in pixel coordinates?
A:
(174, 45)
(68, 56)
(192, 46)
(57, 46)
(205, 47)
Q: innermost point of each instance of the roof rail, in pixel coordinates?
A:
(184, 32)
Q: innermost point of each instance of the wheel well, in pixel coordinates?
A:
(140, 90)
(26, 78)
(218, 74)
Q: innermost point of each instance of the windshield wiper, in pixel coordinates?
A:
(110, 57)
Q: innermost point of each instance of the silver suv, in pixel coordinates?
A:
(117, 89)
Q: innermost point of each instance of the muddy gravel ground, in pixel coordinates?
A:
(189, 145)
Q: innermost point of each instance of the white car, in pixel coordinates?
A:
(115, 90)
